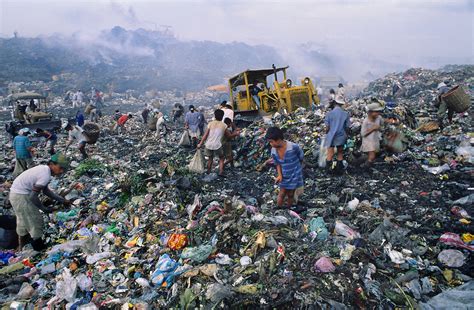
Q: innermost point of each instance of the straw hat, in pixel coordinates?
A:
(375, 107)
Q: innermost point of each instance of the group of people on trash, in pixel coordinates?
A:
(215, 137)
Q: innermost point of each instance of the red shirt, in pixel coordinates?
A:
(122, 120)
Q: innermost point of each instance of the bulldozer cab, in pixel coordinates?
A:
(23, 116)
(268, 91)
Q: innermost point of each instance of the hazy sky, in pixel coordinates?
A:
(403, 30)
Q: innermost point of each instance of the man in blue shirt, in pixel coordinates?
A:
(337, 126)
(23, 152)
(192, 121)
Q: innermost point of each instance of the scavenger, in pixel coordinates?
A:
(215, 132)
(288, 158)
(26, 203)
(23, 152)
(337, 127)
(76, 133)
(371, 131)
(51, 139)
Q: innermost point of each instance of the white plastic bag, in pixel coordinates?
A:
(323, 151)
(185, 140)
(342, 229)
(197, 163)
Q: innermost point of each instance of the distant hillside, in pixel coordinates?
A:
(123, 59)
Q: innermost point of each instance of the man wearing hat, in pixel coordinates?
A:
(192, 121)
(26, 203)
(443, 88)
(23, 152)
(371, 131)
(337, 126)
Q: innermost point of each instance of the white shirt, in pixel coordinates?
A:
(216, 133)
(76, 134)
(228, 113)
(39, 176)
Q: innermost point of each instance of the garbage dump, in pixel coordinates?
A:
(147, 228)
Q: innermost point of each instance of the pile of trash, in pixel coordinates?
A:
(145, 232)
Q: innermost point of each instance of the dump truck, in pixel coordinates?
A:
(276, 93)
(23, 118)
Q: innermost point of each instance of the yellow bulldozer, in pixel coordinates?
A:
(260, 91)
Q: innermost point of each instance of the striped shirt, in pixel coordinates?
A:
(291, 169)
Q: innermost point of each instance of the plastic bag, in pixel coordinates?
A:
(324, 264)
(84, 282)
(352, 205)
(453, 239)
(185, 140)
(67, 287)
(451, 258)
(197, 163)
(342, 229)
(323, 151)
(177, 241)
(164, 271)
(318, 227)
(197, 254)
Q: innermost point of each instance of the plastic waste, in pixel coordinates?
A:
(324, 264)
(317, 226)
(395, 256)
(465, 201)
(84, 282)
(322, 153)
(92, 259)
(67, 215)
(67, 287)
(453, 239)
(223, 259)
(197, 254)
(451, 258)
(177, 241)
(352, 205)
(164, 271)
(11, 268)
(185, 139)
(197, 163)
(460, 212)
(245, 261)
(436, 170)
(26, 291)
(342, 229)
(346, 252)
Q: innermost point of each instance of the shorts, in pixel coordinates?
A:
(29, 219)
(218, 153)
(194, 134)
(227, 149)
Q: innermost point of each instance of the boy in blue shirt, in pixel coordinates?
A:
(288, 158)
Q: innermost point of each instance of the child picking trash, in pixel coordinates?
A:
(371, 132)
(213, 137)
(288, 158)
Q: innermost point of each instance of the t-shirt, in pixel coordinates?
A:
(122, 120)
(39, 176)
(193, 119)
(76, 134)
(21, 145)
(228, 113)
(216, 134)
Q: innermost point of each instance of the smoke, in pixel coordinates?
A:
(127, 13)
